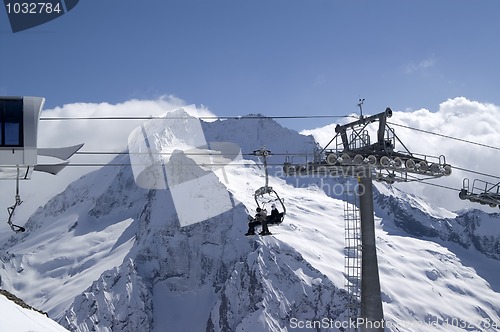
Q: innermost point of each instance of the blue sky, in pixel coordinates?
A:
(272, 57)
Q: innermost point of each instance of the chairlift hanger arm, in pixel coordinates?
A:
(263, 152)
(12, 209)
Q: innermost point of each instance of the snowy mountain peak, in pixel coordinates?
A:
(135, 257)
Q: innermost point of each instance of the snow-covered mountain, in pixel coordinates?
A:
(18, 316)
(109, 255)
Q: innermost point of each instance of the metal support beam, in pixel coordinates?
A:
(372, 313)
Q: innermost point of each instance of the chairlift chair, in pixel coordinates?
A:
(266, 194)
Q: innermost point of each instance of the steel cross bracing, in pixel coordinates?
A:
(481, 192)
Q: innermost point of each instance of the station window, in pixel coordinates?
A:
(11, 122)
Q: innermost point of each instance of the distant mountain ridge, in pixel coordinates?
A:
(473, 228)
(107, 255)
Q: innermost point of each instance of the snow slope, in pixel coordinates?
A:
(16, 318)
(425, 281)
(108, 255)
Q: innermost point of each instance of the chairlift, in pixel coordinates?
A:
(267, 195)
(19, 118)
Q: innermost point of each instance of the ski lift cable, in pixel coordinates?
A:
(99, 164)
(439, 185)
(424, 181)
(445, 136)
(185, 153)
(476, 172)
(262, 117)
(232, 164)
(251, 117)
(248, 154)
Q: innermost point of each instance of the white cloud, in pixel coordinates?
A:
(97, 135)
(458, 117)
(105, 135)
(420, 66)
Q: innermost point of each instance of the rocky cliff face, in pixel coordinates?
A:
(469, 229)
(117, 301)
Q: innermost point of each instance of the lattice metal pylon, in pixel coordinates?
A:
(352, 250)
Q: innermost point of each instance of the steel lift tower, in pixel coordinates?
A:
(353, 154)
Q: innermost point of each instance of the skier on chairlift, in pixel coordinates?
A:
(275, 217)
(263, 221)
(260, 218)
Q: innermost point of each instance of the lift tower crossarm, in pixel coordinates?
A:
(364, 121)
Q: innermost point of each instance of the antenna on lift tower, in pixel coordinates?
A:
(360, 105)
(354, 155)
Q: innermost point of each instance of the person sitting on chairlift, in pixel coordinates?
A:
(263, 221)
(252, 222)
(275, 217)
(260, 218)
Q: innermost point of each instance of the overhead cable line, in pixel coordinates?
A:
(423, 181)
(215, 153)
(439, 185)
(262, 117)
(251, 117)
(476, 172)
(256, 117)
(445, 136)
(166, 164)
(124, 153)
